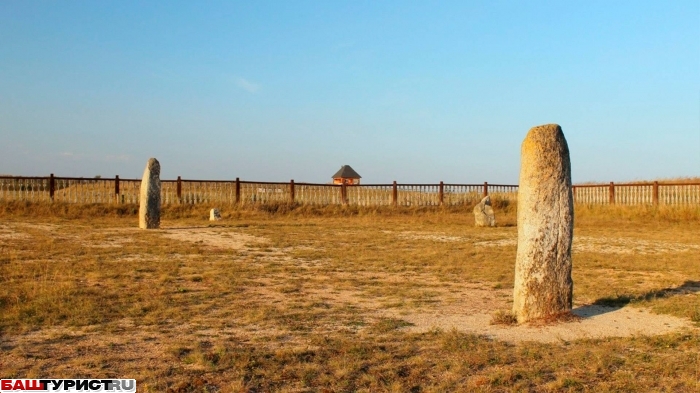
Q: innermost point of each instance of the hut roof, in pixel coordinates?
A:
(347, 172)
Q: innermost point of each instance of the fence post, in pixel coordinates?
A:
(116, 187)
(343, 194)
(611, 194)
(179, 189)
(486, 189)
(573, 193)
(291, 190)
(655, 196)
(441, 193)
(52, 186)
(238, 190)
(394, 194)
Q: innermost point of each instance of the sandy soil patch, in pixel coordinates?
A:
(41, 227)
(14, 231)
(497, 243)
(438, 237)
(471, 311)
(596, 322)
(8, 233)
(213, 237)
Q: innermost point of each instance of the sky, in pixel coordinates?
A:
(417, 92)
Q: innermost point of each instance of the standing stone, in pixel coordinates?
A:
(483, 213)
(543, 285)
(214, 215)
(149, 210)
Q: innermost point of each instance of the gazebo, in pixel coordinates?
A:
(346, 175)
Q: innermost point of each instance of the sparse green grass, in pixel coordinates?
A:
(84, 294)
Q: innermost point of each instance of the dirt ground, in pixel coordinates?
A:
(469, 308)
(103, 298)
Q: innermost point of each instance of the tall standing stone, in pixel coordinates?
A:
(149, 209)
(543, 284)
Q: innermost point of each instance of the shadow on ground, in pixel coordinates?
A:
(611, 303)
(593, 310)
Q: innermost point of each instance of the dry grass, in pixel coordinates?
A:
(502, 317)
(619, 215)
(314, 299)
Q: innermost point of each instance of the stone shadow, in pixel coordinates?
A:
(612, 303)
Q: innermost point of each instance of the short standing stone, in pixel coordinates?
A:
(214, 215)
(149, 209)
(483, 213)
(543, 284)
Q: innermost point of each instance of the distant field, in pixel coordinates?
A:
(341, 299)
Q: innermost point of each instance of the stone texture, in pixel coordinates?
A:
(214, 215)
(483, 213)
(543, 284)
(149, 209)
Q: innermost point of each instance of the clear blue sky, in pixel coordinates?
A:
(406, 91)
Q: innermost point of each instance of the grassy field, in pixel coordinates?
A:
(338, 299)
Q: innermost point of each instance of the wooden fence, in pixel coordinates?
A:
(181, 191)
(638, 194)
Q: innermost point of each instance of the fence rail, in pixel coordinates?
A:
(181, 191)
(638, 194)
